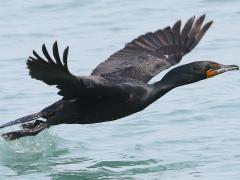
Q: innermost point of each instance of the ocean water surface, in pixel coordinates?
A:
(193, 132)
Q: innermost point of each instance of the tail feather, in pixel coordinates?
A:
(24, 119)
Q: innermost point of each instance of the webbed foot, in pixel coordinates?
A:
(25, 132)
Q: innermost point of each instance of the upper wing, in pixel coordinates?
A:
(149, 54)
(56, 72)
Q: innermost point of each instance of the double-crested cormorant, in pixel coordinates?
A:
(118, 86)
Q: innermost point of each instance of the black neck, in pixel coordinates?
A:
(176, 77)
(158, 90)
(167, 84)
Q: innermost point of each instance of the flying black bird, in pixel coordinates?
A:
(118, 87)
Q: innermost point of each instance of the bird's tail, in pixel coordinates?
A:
(24, 119)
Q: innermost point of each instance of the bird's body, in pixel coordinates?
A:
(88, 110)
(119, 86)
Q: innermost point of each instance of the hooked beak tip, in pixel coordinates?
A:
(230, 67)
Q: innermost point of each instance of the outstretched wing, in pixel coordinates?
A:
(149, 54)
(56, 72)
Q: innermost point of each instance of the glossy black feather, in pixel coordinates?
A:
(45, 52)
(149, 54)
(56, 72)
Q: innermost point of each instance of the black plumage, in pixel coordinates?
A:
(118, 86)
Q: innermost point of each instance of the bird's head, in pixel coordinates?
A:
(208, 69)
(195, 71)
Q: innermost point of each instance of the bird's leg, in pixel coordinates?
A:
(32, 124)
(25, 132)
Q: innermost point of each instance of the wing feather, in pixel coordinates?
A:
(56, 72)
(149, 54)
